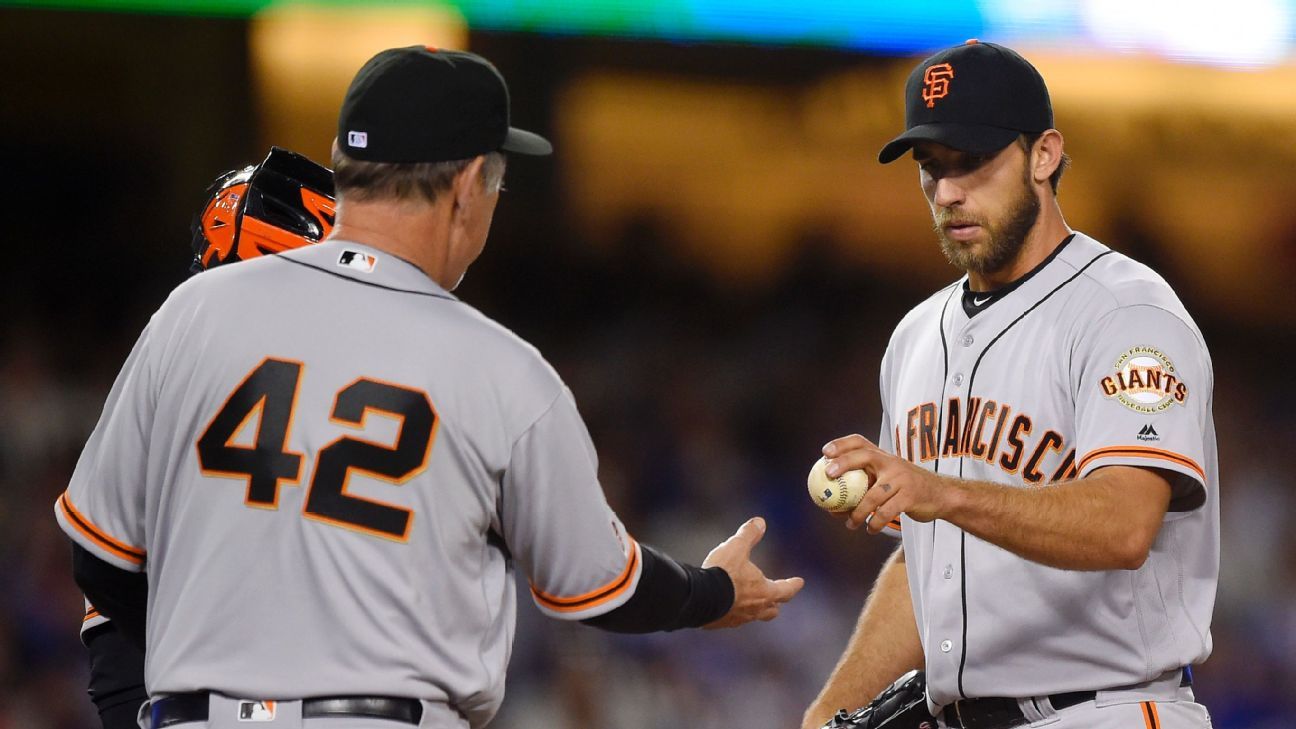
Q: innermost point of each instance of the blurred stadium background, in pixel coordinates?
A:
(713, 260)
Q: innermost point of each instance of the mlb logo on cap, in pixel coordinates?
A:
(429, 105)
(358, 260)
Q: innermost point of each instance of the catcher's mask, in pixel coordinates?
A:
(283, 203)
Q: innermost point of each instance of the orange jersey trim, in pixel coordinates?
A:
(134, 555)
(91, 614)
(1150, 718)
(1143, 452)
(597, 596)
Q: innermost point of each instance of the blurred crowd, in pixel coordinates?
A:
(708, 403)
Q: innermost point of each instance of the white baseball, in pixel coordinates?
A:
(836, 494)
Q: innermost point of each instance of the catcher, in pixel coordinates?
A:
(284, 202)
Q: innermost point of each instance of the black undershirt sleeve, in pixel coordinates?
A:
(121, 595)
(116, 676)
(670, 596)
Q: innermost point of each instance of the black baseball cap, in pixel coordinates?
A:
(976, 97)
(424, 104)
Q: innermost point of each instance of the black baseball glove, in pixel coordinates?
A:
(903, 705)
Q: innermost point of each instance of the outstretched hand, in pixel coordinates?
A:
(756, 597)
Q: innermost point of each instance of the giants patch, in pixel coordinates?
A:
(1145, 381)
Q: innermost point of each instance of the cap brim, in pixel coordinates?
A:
(974, 138)
(520, 141)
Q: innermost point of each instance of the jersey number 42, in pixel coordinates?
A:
(269, 393)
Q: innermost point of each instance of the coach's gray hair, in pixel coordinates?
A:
(361, 181)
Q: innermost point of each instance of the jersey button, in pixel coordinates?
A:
(949, 572)
(946, 645)
(958, 378)
(967, 340)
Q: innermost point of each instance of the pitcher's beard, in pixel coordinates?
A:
(1003, 241)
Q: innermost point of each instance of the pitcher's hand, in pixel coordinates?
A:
(898, 485)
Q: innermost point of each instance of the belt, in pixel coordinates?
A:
(1002, 713)
(193, 707)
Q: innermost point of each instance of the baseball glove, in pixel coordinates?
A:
(903, 705)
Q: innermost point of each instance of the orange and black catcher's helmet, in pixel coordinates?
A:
(283, 203)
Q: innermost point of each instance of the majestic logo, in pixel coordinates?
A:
(1148, 433)
(936, 82)
(359, 140)
(256, 711)
(1145, 381)
(362, 262)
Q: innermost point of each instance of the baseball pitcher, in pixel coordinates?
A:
(1047, 451)
(284, 202)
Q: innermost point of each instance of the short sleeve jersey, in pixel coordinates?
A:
(1090, 362)
(328, 466)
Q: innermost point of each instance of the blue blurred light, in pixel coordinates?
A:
(1240, 32)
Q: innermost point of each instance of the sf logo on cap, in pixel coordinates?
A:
(936, 83)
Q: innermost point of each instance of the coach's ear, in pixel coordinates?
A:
(467, 187)
(1046, 156)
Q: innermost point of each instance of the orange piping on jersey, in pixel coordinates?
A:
(1150, 718)
(91, 614)
(134, 555)
(894, 523)
(597, 596)
(1143, 452)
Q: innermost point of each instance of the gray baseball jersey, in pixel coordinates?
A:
(1092, 361)
(327, 465)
